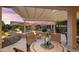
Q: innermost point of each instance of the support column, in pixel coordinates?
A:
(51, 27)
(54, 28)
(24, 26)
(72, 29)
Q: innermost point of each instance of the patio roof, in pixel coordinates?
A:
(34, 13)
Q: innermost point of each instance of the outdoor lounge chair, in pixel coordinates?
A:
(56, 37)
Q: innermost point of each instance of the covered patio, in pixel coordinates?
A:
(48, 15)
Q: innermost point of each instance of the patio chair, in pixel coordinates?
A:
(56, 37)
(30, 37)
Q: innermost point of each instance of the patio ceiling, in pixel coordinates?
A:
(32, 13)
(42, 14)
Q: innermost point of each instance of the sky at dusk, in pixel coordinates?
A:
(10, 15)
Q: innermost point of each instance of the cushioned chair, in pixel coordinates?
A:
(56, 37)
(30, 37)
(63, 39)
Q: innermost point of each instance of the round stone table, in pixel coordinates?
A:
(35, 47)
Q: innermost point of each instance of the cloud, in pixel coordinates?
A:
(8, 10)
(9, 15)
